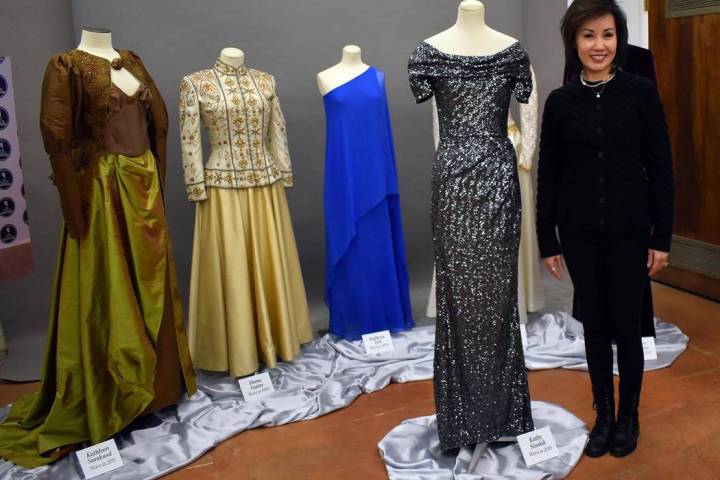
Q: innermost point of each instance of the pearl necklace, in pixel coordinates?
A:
(602, 83)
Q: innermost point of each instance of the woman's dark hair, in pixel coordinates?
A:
(579, 12)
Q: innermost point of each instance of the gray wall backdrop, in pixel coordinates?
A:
(293, 40)
(31, 31)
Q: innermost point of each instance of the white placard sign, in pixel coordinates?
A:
(256, 387)
(649, 349)
(378, 342)
(537, 446)
(523, 336)
(100, 458)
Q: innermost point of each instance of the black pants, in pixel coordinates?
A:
(609, 272)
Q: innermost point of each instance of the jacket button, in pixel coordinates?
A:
(598, 106)
(601, 179)
(601, 154)
(602, 221)
(598, 129)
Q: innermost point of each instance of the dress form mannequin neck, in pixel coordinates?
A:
(351, 56)
(232, 56)
(350, 66)
(471, 17)
(98, 42)
(470, 35)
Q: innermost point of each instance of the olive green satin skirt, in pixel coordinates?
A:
(116, 344)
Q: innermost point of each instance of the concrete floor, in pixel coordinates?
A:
(679, 416)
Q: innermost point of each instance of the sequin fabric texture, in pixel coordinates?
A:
(481, 389)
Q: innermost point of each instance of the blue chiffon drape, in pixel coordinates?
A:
(366, 273)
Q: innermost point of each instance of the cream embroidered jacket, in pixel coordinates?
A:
(241, 113)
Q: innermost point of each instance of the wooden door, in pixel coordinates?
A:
(687, 53)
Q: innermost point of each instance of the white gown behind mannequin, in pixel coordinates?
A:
(524, 139)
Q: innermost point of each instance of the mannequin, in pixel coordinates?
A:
(474, 178)
(350, 66)
(116, 346)
(470, 35)
(243, 237)
(366, 281)
(98, 42)
(232, 56)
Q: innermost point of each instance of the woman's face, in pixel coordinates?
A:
(596, 42)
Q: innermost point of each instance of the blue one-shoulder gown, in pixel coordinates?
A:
(366, 282)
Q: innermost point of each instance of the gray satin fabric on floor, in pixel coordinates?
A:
(411, 451)
(556, 340)
(328, 375)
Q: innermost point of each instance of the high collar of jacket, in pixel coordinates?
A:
(226, 69)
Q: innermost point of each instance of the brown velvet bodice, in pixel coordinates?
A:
(75, 115)
(126, 132)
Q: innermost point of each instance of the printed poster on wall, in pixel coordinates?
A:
(15, 255)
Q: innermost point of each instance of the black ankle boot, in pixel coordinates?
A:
(601, 434)
(627, 430)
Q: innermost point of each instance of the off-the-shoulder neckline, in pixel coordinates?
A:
(499, 52)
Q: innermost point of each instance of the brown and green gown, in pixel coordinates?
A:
(116, 345)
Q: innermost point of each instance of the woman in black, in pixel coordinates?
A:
(605, 181)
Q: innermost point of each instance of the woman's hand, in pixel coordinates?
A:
(554, 265)
(657, 260)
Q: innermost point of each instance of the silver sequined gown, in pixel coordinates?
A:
(481, 389)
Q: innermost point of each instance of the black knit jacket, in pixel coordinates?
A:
(605, 163)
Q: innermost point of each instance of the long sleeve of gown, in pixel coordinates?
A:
(56, 127)
(191, 142)
(278, 139)
(528, 126)
(435, 124)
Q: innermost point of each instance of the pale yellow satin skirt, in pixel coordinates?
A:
(247, 296)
